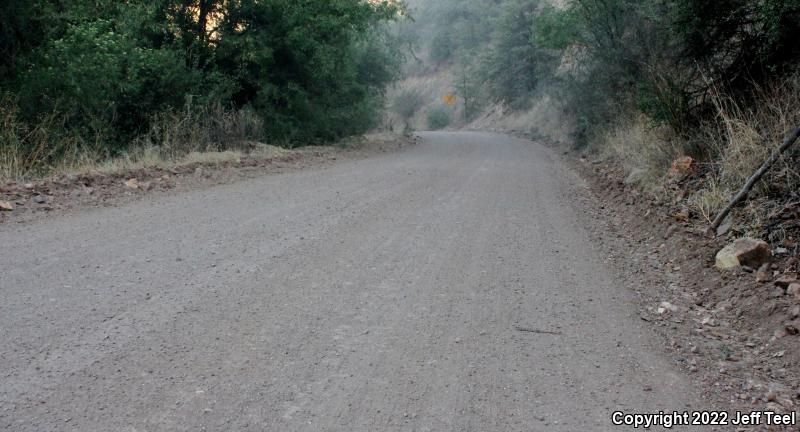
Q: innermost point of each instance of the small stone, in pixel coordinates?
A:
(708, 321)
(681, 167)
(793, 290)
(792, 329)
(795, 312)
(39, 199)
(771, 396)
(665, 307)
(777, 292)
(670, 231)
(764, 274)
(132, 183)
(785, 280)
(6, 206)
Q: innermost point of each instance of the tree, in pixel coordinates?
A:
(516, 63)
(314, 70)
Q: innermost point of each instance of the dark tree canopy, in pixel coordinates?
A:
(312, 69)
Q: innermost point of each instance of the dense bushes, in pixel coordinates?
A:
(438, 117)
(604, 58)
(515, 64)
(311, 70)
(407, 103)
(667, 59)
(655, 80)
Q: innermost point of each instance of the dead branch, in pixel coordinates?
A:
(748, 186)
(533, 330)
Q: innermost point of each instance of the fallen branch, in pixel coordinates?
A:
(532, 330)
(755, 178)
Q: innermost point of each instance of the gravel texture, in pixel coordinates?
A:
(449, 286)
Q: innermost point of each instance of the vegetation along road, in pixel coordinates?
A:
(449, 286)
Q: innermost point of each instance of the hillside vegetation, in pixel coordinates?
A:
(642, 82)
(84, 80)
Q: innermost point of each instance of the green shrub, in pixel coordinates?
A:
(441, 48)
(516, 64)
(407, 103)
(438, 117)
(313, 71)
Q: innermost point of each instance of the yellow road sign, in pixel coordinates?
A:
(450, 99)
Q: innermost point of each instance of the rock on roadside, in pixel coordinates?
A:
(743, 252)
(132, 184)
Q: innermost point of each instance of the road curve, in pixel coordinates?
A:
(447, 287)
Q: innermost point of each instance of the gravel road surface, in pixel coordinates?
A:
(450, 286)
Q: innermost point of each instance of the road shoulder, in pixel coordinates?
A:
(72, 193)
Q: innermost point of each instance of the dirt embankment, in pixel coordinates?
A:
(96, 188)
(735, 330)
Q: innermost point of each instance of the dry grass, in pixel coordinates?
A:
(210, 135)
(207, 129)
(33, 150)
(742, 140)
(642, 147)
(151, 157)
(544, 118)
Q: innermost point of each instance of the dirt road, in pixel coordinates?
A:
(446, 287)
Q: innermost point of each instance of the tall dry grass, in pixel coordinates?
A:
(47, 146)
(30, 150)
(211, 128)
(645, 149)
(742, 138)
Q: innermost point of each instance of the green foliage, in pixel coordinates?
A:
(449, 27)
(516, 63)
(102, 79)
(439, 117)
(621, 59)
(738, 42)
(469, 84)
(441, 48)
(312, 70)
(556, 29)
(407, 103)
(667, 58)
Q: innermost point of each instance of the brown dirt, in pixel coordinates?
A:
(73, 192)
(729, 330)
